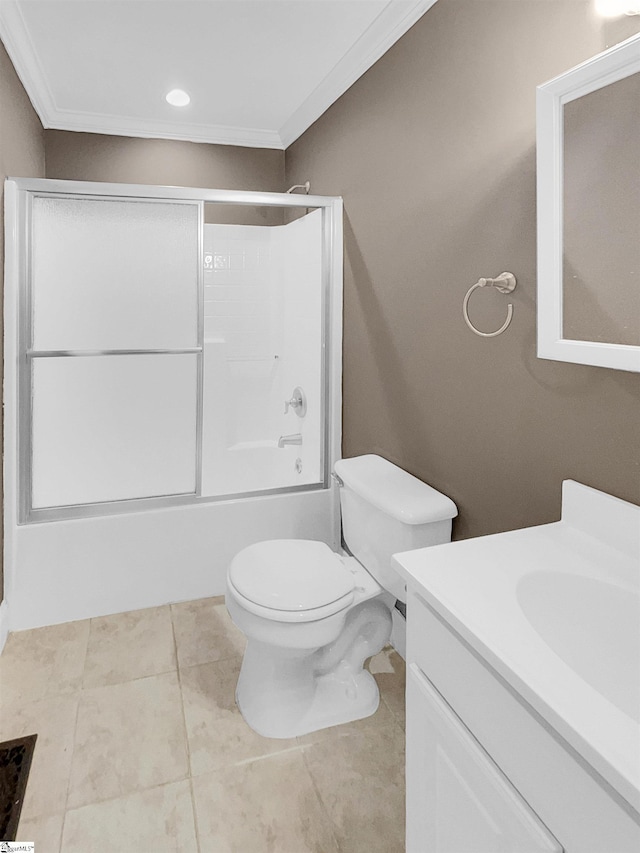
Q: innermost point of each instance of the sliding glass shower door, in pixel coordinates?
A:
(164, 340)
(115, 351)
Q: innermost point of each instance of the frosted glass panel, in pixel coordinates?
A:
(113, 427)
(112, 274)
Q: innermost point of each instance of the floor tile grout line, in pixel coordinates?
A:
(64, 821)
(387, 705)
(123, 795)
(59, 850)
(211, 662)
(186, 734)
(325, 811)
(392, 725)
(206, 662)
(75, 733)
(163, 671)
(184, 778)
(73, 751)
(219, 602)
(301, 747)
(85, 689)
(86, 654)
(45, 817)
(297, 748)
(33, 696)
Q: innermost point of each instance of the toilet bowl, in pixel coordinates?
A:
(303, 666)
(312, 617)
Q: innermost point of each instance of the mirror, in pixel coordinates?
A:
(588, 137)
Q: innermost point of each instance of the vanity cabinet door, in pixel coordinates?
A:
(458, 800)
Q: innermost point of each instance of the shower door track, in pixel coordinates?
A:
(70, 353)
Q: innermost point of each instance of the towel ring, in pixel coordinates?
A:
(505, 283)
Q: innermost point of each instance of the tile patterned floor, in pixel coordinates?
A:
(141, 747)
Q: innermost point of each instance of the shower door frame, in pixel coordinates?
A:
(19, 194)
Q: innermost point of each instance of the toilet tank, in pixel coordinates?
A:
(386, 510)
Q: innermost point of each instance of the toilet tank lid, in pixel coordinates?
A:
(394, 491)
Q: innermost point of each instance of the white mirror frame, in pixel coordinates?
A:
(602, 70)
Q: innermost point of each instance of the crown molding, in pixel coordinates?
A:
(17, 41)
(395, 19)
(390, 25)
(217, 134)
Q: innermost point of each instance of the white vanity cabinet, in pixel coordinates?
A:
(485, 773)
(458, 799)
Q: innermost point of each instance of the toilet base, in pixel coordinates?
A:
(284, 693)
(334, 703)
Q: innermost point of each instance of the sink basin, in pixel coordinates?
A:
(593, 625)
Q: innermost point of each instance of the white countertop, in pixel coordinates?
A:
(555, 610)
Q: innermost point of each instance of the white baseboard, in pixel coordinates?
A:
(4, 623)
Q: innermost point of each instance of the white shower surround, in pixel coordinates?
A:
(77, 568)
(262, 338)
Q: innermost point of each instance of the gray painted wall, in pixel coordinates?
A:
(433, 150)
(98, 157)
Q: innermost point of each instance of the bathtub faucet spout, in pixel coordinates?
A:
(296, 438)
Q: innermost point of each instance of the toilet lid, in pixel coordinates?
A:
(291, 575)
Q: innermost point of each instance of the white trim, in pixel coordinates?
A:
(4, 623)
(333, 390)
(596, 72)
(15, 36)
(602, 70)
(12, 211)
(106, 189)
(217, 134)
(17, 41)
(390, 25)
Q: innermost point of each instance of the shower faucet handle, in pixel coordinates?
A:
(293, 403)
(298, 402)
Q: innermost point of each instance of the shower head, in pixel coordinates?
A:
(306, 187)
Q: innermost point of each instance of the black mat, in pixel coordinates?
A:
(15, 762)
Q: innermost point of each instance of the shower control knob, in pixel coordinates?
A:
(298, 402)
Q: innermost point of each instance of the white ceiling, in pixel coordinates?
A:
(259, 72)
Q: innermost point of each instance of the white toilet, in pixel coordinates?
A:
(313, 617)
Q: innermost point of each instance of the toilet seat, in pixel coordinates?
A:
(291, 580)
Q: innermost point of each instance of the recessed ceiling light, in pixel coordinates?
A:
(177, 98)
